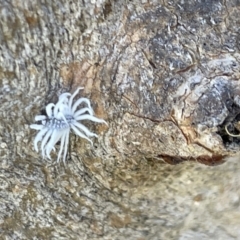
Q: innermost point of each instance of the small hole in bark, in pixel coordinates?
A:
(232, 123)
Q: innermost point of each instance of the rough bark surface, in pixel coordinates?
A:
(165, 76)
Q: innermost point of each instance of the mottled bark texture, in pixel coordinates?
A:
(165, 76)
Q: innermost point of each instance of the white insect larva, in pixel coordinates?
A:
(60, 119)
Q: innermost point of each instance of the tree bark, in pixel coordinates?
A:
(164, 75)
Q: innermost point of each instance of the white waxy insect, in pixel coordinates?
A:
(60, 119)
